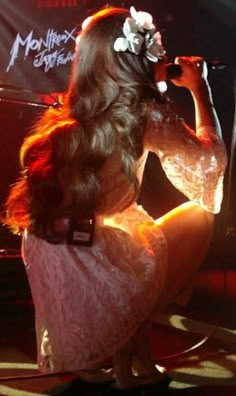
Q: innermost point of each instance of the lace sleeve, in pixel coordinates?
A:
(194, 162)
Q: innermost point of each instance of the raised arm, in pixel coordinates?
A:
(194, 78)
(193, 160)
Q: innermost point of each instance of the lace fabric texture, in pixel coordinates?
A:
(90, 301)
(194, 163)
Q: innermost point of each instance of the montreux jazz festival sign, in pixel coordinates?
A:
(48, 52)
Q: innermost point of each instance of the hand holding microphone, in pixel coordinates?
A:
(192, 71)
(174, 70)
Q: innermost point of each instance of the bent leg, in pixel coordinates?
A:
(188, 231)
(125, 364)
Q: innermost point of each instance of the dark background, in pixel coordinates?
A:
(205, 28)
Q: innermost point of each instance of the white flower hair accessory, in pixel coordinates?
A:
(140, 36)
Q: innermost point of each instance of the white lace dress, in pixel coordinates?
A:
(89, 301)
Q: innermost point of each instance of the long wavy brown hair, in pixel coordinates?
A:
(105, 109)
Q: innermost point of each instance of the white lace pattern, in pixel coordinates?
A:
(194, 163)
(90, 301)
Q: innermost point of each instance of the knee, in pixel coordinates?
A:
(187, 220)
(203, 222)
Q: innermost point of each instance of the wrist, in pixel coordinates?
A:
(201, 91)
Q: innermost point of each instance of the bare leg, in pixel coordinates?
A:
(122, 365)
(188, 231)
(133, 365)
(143, 364)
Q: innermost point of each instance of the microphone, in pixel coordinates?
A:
(174, 70)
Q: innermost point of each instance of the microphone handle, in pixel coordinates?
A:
(174, 71)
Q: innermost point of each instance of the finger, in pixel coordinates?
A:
(189, 60)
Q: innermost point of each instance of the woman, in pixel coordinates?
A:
(100, 268)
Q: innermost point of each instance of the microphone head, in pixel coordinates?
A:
(173, 71)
